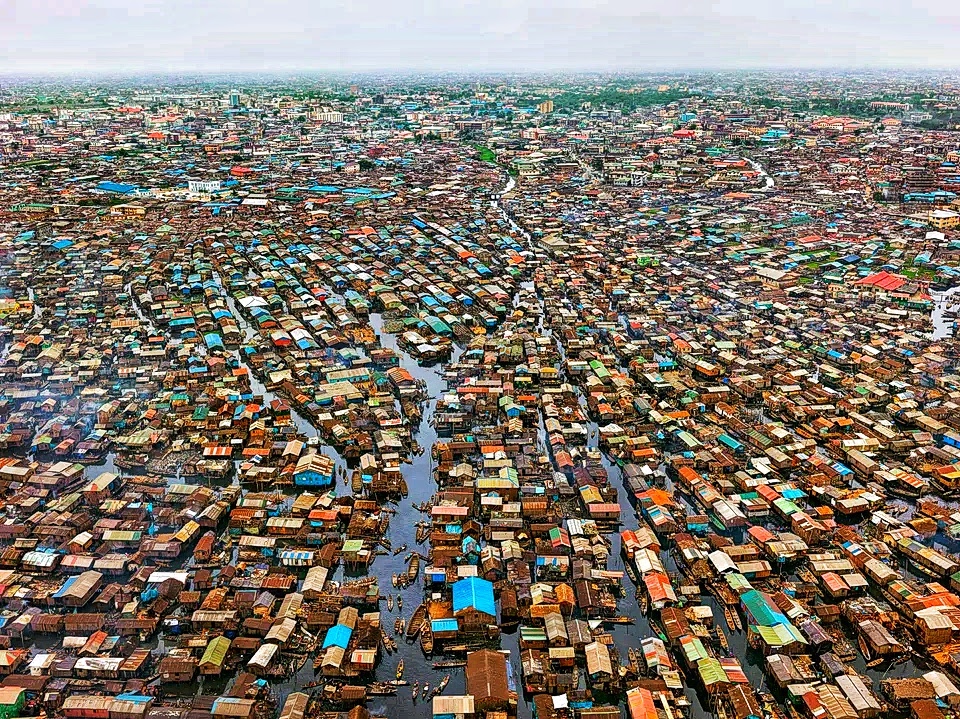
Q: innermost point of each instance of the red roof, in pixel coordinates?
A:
(884, 280)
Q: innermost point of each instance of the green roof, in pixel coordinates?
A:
(694, 650)
(216, 651)
(711, 671)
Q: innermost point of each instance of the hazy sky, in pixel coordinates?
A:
(516, 35)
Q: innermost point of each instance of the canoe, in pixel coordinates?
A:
(426, 639)
(414, 569)
(357, 482)
(388, 644)
(416, 621)
(722, 639)
(733, 621)
(400, 669)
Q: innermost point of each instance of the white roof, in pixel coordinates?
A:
(99, 663)
(263, 656)
(941, 684)
(160, 577)
(721, 561)
(453, 704)
(40, 559)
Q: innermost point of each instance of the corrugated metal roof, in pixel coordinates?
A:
(216, 651)
(264, 655)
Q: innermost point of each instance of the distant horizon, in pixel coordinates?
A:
(440, 73)
(119, 37)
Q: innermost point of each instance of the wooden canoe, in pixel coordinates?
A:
(416, 621)
(423, 531)
(413, 570)
(426, 639)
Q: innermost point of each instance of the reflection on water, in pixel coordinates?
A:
(942, 301)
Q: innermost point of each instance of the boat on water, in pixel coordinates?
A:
(389, 602)
(442, 685)
(394, 580)
(381, 689)
(415, 690)
(426, 639)
(416, 621)
(356, 483)
(399, 603)
(423, 531)
(402, 548)
(413, 570)
(400, 669)
(722, 639)
(449, 664)
(398, 626)
(388, 644)
(403, 487)
(733, 621)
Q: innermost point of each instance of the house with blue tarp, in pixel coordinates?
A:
(313, 470)
(444, 628)
(473, 603)
(117, 188)
(337, 636)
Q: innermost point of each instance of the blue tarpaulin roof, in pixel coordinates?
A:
(475, 593)
(116, 187)
(66, 585)
(444, 625)
(337, 636)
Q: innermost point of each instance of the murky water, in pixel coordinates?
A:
(942, 325)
